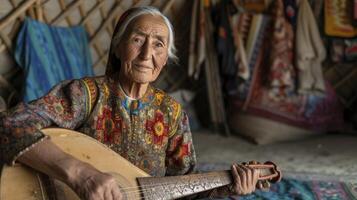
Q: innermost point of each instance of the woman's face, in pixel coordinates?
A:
(143, 51)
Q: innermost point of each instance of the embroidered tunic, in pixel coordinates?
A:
(151, 132)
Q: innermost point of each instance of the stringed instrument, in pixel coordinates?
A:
(23, 183)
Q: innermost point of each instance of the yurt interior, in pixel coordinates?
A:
(269, 85)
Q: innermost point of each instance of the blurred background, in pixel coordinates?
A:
(260, 79)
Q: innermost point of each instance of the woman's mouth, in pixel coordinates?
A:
(142, 68)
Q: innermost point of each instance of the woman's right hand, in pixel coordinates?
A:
(88, 182)
(92, 184)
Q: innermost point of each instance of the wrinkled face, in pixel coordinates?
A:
(143, 51)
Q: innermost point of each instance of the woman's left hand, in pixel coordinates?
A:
(245, 179)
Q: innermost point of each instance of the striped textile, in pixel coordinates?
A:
(254, 44)
(50, 54)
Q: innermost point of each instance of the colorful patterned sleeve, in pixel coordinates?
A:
(64, 106)
(180, 155)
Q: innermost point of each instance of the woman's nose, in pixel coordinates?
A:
(146, 51)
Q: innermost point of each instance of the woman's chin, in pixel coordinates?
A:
(141, 79)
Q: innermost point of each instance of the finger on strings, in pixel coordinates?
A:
(108, 195)
(116, 193)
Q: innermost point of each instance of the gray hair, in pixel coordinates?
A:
(144, 10)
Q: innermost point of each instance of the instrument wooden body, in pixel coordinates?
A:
(20, 182)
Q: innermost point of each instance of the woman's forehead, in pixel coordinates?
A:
(153, 25)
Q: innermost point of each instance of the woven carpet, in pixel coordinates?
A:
(298, 186)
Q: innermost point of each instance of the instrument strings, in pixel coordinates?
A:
(139, 189)
(135, 189)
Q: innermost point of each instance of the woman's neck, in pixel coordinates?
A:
(133, 89)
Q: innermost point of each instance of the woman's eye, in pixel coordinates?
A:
(159, 44)
(138, 40)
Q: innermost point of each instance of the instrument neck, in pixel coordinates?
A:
(172, 187)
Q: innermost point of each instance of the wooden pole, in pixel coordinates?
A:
(91, 12)
(106, 22)
(64, 14)
(7, 41)
(39, 11)
(167, 6)
(349, 76)
(17, 12)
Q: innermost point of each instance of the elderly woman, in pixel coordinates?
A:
(121, 110)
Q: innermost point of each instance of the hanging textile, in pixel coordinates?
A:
(253, 31)
(224, 42)
(282, 72)
(310, 52)
(202, 53)
(338, 22)
(239, 39)
(290, 10)
(240, 24)
(51, 54)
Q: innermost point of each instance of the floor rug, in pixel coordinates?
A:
(297, 187)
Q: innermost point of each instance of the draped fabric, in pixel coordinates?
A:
(310, 52)
(254, 44)
(281, 73)
(239, 41)
(225, 44)
(279, 88)
(50, 54)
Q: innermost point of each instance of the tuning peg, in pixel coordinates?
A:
(259, 185)
(279, 175)
(266, 184)
(253, 162)
(263, 185)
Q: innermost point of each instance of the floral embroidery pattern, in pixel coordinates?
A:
(58, 106)
(183, 151)
(158, 128)
(159, 97)
(179, 151)
(111, 127)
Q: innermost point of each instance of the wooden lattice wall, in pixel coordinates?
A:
(97, 16)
